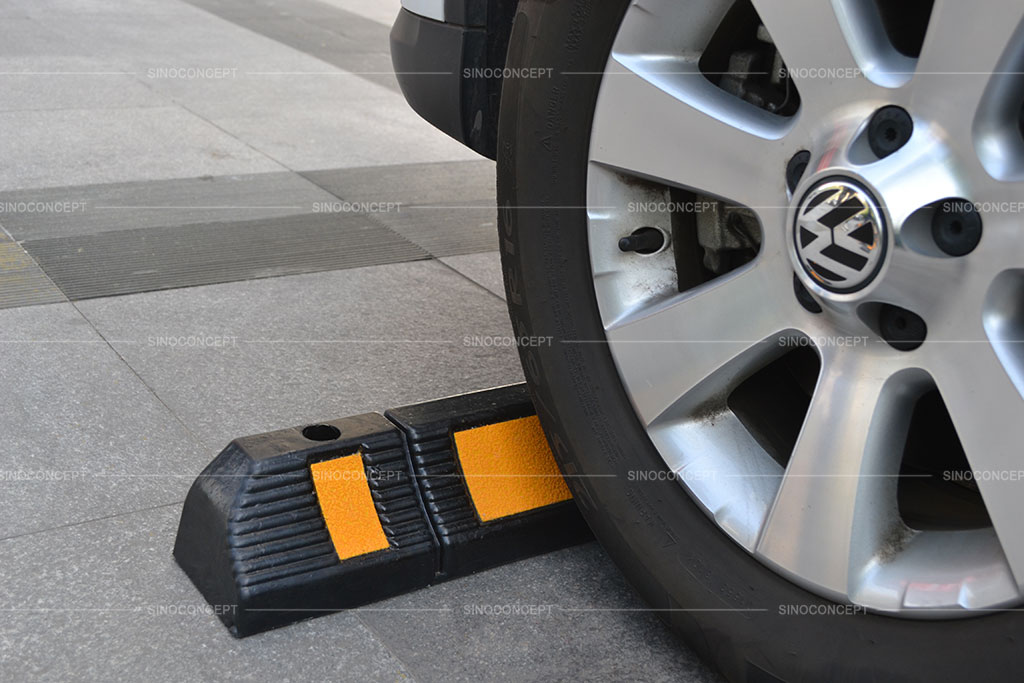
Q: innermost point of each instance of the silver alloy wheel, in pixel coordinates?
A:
(829, 519)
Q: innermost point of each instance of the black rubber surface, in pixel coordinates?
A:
(254, 541)
(726, 604)
(465, 544)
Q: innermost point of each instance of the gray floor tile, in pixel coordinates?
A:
(34, 83)
(22, 281)
(483, 268)
(96, 8)
(83, 437)
(330, 33)
(330, 129)
(158, 204)
(41, 69)
(381, 11)
(89, 146)
(149, 259)
(152, 33)
(575, 620)
(135, 32)
(310, 347)
(448, 229)
(296, 108)
(414, 184)
(26, 36)
(446, 208)
(104, 601)
(311, 115)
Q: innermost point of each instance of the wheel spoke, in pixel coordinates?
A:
(665, 353)
(920, 173)
(668, 29)
(829, 518)
(963, 51)
(642, 119)
(815, 49)
(912, 280)
(1001, 207)
(837, 500)
(986, 409)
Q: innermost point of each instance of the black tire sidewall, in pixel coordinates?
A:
(727, 605)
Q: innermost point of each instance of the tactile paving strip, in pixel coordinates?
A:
(22, 281)
(428, 216)
(149, 259)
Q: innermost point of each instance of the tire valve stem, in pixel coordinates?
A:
(643, 241)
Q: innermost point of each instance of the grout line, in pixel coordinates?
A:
(165, 105)
(387, 647)
(377, 221)
(150, 85)
(379, 47)
(192, 435)
(233, 136)
(463, 275)
(39, 267)
(70, 525)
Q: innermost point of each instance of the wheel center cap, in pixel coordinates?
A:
(840, 235)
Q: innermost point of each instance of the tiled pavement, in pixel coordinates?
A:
(291, 207)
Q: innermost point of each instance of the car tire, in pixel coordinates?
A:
(746, 620)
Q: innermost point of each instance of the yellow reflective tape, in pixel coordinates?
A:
(509, 468)
(348, 508)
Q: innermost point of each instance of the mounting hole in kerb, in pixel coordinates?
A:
(321, 433)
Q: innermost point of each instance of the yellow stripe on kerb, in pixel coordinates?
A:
(509, 468)
(348, 508)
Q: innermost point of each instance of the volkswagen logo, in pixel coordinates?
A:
(840, 235)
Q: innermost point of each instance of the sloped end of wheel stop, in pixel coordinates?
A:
(303, 522)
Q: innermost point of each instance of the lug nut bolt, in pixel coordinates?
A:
(643, 241)
(956, 227)
(901, 329)
(804, 297)
(890, 128)
(796, 168)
